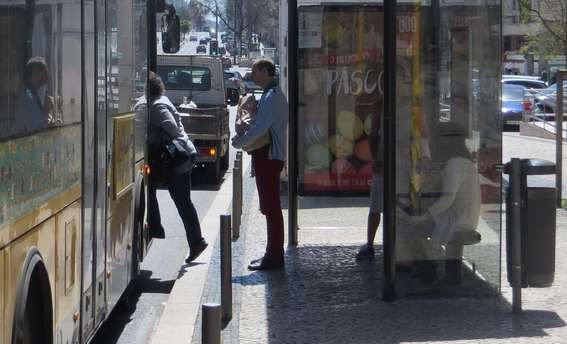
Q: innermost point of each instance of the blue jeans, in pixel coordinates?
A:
(179, 187)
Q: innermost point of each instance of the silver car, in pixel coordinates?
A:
(546, 100)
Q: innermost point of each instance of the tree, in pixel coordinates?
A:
(185, 26)
(552, 15)
(238, 16)
(198, 14)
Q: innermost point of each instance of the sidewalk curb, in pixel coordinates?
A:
(177, 322)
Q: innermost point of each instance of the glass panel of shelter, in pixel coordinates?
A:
(339, 71)
(448, 140)
(448, 145)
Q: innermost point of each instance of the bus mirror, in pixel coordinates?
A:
(170, 33)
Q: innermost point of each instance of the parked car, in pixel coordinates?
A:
(545, 100)
(192, 38)
(527, 82)
(515, 104)
(249, 85)
(222, 50)
(203, 41)
(234, 86)
(201, 49)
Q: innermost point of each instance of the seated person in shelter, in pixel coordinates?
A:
(456, 210)
(35, 108)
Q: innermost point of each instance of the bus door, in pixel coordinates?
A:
(94, 166)
(93, 185)
(101, 156)
(120, 137)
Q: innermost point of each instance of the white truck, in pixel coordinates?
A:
(195, 85)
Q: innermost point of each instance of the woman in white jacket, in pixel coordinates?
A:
(456, 210)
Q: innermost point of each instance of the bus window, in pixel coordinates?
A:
(39, 94)
(34, 97)
(26, 98)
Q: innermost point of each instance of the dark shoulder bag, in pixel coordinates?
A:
(166, 156)
(173, 153)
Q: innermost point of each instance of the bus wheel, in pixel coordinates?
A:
(35, 327)
(33, 317)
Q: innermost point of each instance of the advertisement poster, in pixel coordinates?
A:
(310, 34)
(340, 91)
(123, 164)
(52, 161)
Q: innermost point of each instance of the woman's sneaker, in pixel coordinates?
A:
(196, 251)
(365, 252)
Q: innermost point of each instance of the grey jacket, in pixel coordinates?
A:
(165, 124)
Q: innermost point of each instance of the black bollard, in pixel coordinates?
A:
(211, 323)
(226, 267)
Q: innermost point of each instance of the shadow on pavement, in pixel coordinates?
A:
(184, 268)
(324, 296)
(111, 331)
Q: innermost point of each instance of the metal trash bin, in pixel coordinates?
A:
(537, 225)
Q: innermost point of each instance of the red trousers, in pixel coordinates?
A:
(268, 185)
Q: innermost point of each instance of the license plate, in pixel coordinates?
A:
(513, 122)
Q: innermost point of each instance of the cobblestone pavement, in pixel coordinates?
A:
(324, 296)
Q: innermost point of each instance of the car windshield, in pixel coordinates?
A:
(185, 78)
(529, 83)
(512, 93)
(228, 75)
(553, 87)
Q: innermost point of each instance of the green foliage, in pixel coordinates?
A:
(185, 25)
(525, 15)
(544, 40)
(551, 18)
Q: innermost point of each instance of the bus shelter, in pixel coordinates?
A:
(431, 71)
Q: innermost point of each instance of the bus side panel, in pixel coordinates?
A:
(119, 244)
(2, 291)
(43, 238)
(67, 287)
